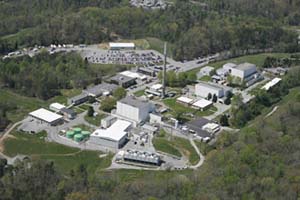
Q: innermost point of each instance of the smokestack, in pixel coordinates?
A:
(164, 72)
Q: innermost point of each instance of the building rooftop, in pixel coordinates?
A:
(197, 125)
(57, 106)
(245, 66)
(271, 83)
(121, 45)
(45, 115)
(156, 86)
(213, 85)
(202, 103)
(134, 102)
(78, 97)
(184, 99)
(101, 88)
(120, 78)
(133, 75)
(115, 132)
(68, 111)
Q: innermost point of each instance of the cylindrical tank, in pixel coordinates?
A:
(70, 134)
(77, 130)
(78, 137)
(86, 134)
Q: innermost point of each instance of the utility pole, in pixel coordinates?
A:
(163, 95)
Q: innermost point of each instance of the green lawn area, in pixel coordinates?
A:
(24, 104)
(205, 78)
(162, 144)
(65, 94)
(175, 146)
(66, 158)
(95, 120)
(139, 93)
(84, 106)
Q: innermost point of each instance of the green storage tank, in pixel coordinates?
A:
(77, 130)
(86, 134)
(78, 137)
(70, 134)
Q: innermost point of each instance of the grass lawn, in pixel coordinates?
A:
(65, 94)
(139, 93)
(64, 157)
(84, 106)
(24, 104)
(162, 144)
(176, 146)
(205, 78)
(95, 120)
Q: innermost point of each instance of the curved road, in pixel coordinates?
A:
(202, 158)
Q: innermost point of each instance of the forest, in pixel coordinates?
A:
(195, 28)
(43, 76)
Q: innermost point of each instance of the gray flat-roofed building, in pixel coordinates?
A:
(146, 71)
(202, 89)
(142, 157)
(68, 113)
(134, 109)
(98, 90)
(79, 99)
(197, 124)
(123, 81)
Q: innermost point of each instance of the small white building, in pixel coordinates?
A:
(202, 104)
(203, 89)
(134, 109)
(134, 75)
(56, 107)
(114, 137)
(211, 127)
(184, 100)
(154, 118)
(108, 121)
(46, 116)
(121, 45)
(271, 84)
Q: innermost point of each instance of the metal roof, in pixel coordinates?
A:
(121, 45)
(245, 66)
(129, 100)
(57, 106)
(202, 103)
(271, 83)
(184, 99)
(115, 132)
(45, 115)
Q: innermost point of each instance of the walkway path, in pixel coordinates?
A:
(202, 158)
(270, 113)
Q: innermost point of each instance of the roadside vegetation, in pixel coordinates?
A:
(66, 158)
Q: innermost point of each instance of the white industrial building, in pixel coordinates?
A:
(56, 107)
(133, 109)
(46, 116)
(134, 75)
(121, 45)
(202, 104)
(243, 71)
(202, 89)
(114, 137)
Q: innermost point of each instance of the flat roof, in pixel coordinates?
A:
(129, 100)
(245, 66)
(211, 126)
(122, 78)
(213, 85)
(57, 106)
(45, 115)
(115, 132)
(271, 83)
(156, 86)
(101, 88)
(149, 127)
(197, 124)
(206, 68)
(133, 74)
(229, 65)
(202, 103)
(78, 97)
(184, 99)
(122, 44)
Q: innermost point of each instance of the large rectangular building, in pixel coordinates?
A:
(46, 116)
(123, 81)
(203, 89)
(134, 109)
(242, 71)
(114, 137)
(121, 45)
